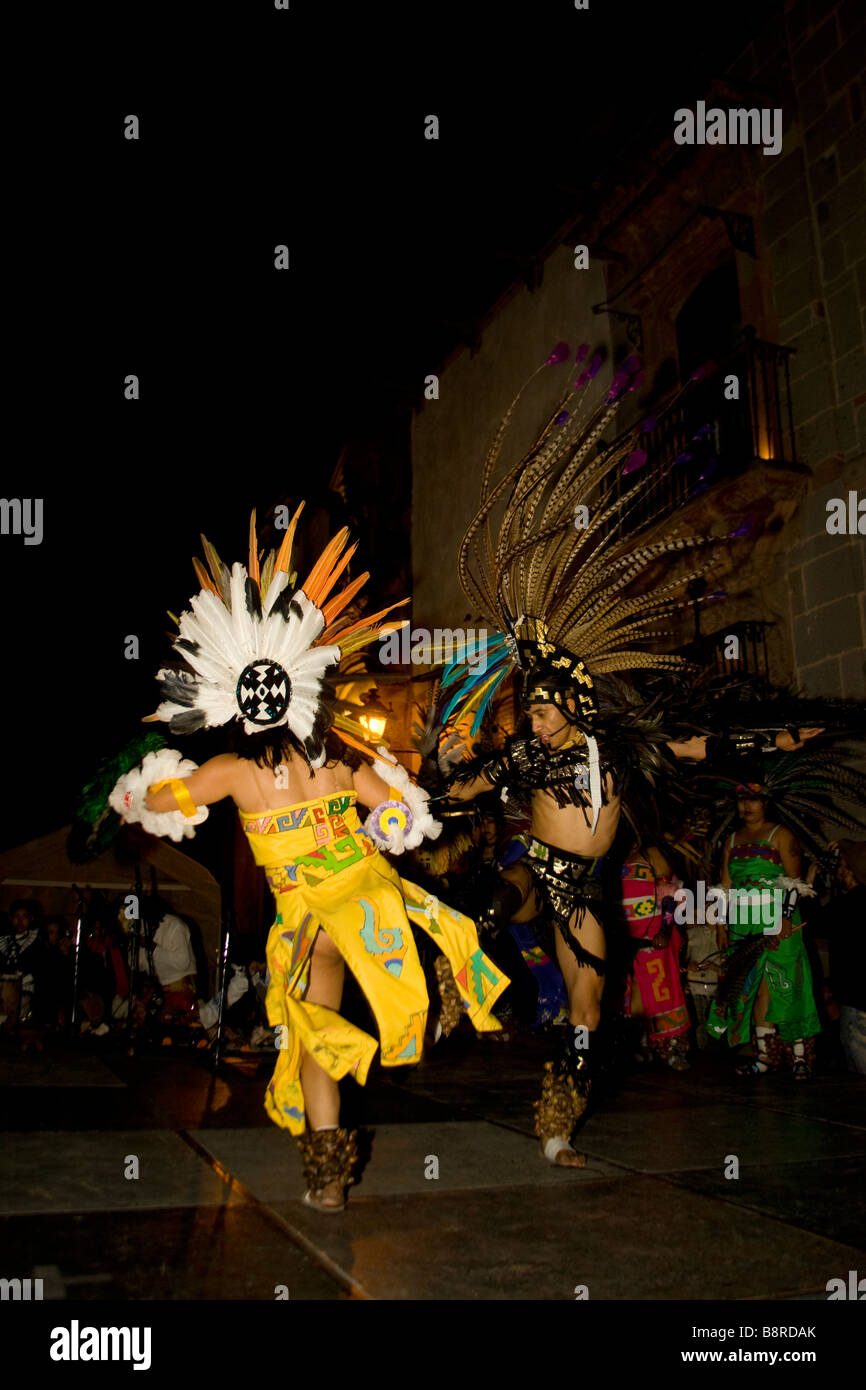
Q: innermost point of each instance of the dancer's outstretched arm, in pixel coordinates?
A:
(467, 791)
(695, 749)
(371, 789)
(211, 782)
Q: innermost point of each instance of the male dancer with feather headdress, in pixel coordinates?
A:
(566, 612)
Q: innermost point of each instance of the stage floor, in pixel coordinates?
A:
(455, 1202)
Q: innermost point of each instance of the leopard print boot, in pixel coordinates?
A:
(329, 1156)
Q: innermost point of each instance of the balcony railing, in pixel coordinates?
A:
(705, 438)
(713, 651)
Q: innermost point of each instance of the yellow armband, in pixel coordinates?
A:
(181, 795)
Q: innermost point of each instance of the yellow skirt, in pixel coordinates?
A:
(365, 910)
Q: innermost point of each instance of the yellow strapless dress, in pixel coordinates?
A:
(325, 872)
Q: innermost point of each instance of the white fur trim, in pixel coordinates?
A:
(554, 1147)
(130, 790)
(802, 887)
(423, 824)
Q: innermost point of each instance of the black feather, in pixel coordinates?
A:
(188, 722)
(180, 691)
(283, 605)
(253, 598)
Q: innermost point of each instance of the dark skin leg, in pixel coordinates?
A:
(580, 995)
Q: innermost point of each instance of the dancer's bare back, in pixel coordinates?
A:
(257, 789)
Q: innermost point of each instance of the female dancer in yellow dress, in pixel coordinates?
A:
(256, 652)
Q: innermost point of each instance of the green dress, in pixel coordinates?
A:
(786, 969)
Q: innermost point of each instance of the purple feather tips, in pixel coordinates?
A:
(617, 385)
(717, 594)
(595, 365)
(581, 381)
(681, 458)
(744, 529)
(631, 365)
(648, 425)
(705, 369)
(561, 417)
(638, 381)
(581, 352)
(559, 354)
(702, 432)
(636, 459)
(709, 469)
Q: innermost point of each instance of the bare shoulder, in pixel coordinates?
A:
(661, 866)
(224, 765)
(786, 839)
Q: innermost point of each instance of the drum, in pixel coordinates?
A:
(10, 1001)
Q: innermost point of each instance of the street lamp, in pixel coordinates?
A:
(375, 714)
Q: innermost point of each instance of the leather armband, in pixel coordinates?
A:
(737, 743)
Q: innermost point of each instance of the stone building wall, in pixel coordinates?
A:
(803, 289)
(451, 435)
(813, 227)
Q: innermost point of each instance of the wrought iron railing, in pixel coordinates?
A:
(738, 649)
(705, 437)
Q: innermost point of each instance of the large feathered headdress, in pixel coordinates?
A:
(557, 578)
(806, 788)
(254, 649)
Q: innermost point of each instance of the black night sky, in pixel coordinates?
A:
(157, 257)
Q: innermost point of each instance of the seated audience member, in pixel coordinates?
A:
(175, 967)
(20, 949)
(103, 979)
(54, 974)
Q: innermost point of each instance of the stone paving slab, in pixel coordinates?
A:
(471, 1155)
(83, 1171)
(184, 1253)
(627, 1238)
(837, 1099)
(702, 1138)
(826, 1197)
(42, 1070)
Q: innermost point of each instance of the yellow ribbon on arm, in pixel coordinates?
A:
(181, 795)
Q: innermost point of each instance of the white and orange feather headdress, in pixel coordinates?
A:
(256, 650)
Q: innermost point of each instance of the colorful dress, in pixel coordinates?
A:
(326, 872)
(656, 972)
(756, 867)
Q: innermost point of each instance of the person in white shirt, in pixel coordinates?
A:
(175, 967)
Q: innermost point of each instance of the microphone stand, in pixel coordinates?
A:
(224, 983)
(78, 927)
(132, 953)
